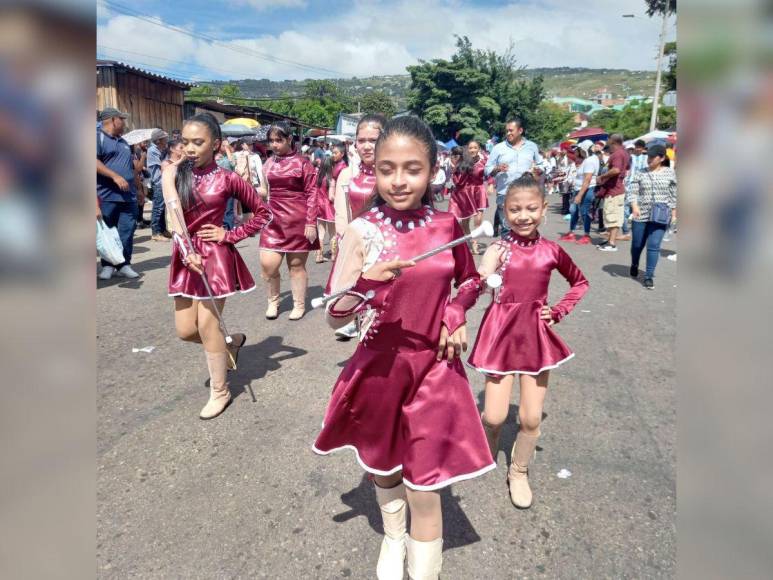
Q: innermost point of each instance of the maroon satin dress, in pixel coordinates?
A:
(512, 337)
(361, 190)
(292, 199)
(326, 211)
(226, 271)
(395, 405)
(469, 194)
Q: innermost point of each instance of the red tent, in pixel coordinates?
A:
(592, 133)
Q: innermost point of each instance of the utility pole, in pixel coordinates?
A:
(656, 99)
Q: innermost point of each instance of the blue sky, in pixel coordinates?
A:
(298, 39)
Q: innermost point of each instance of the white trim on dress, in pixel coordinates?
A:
(394, 470)
(490, 372)
(207, 297)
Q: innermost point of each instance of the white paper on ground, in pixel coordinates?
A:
(586, 311)
(144, 349)
(672, 257)
(564, 474)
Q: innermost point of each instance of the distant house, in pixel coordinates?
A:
(347, 123)
(669, 99)
(151, 100)
(575, 105)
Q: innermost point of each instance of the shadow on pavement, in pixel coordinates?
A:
(457, 529)
(257, 360)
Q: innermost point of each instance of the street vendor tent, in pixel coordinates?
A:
(451, 144)
(592, 133)
(652, 137)
(246, 121)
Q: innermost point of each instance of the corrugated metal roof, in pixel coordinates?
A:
(154, 76)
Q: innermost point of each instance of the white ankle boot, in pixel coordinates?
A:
(391, 559)
(425, 559)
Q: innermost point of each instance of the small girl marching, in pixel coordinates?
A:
(516, 335)
(408, 414)
(204, 253)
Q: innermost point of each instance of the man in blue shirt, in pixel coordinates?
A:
(156, 154)
(638, 164)
(115, 188)
(509, 160)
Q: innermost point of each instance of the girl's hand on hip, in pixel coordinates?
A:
(211, 233)
(547, 315)
(451, 346)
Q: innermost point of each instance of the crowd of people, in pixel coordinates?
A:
(403, 402)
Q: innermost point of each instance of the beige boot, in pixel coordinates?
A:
(273, 297)
(391, 559)
(518, 475)
(333, 248)
(425, 559)
(219, 395)
(492, 436)
(298, 286)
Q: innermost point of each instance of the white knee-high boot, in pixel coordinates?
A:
(393, 505)
(425, 559)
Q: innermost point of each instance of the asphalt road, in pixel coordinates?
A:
(243, 496)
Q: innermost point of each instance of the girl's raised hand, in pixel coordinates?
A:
(547, 315)
(451, 346)
(386, 271)
(171, 167)
(211, 233)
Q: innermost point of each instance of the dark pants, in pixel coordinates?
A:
(121, 215)
(583, 210)
(228, 218)
(651, 234)
(157, 217)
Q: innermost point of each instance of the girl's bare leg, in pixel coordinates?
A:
(495, 408)
(425, 543)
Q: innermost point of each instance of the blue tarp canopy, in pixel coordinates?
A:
(450, 144)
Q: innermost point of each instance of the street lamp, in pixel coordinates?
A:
(658, 73)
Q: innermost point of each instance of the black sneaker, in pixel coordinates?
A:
(649, 284)
(634, 271)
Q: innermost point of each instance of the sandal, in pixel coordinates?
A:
(320, 257)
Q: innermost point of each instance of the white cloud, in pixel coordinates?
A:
(262, 5)
(375, 38)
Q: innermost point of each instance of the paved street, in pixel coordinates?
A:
(243, 496)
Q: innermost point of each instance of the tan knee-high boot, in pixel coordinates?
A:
(391, 559)
(518, 474)
(219, 395)
(492, 436)
(272, 285)
(425, 559)
(298, 285)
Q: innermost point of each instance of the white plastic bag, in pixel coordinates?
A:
(109, 243)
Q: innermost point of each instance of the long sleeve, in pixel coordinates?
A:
(261, 215)
(310, 189)
(347, 274)
(672, 190)
(491, 163)
(467, 281)
(339, 202)
(577, 281)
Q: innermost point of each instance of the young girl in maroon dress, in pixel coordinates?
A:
(203, 190)
(468, 198)
(515, 336)
(292, 198)
(327, 176)
(355, 188)
(408, 415)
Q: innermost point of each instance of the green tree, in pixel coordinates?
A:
(551, 123)
(633, 120)
(200, 93)
(230, 90)
(670, 77)
(472, 94)
(660, 6)
(378, 102)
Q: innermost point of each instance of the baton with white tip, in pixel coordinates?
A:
(484, 229)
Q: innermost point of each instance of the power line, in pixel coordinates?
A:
(239, 49)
